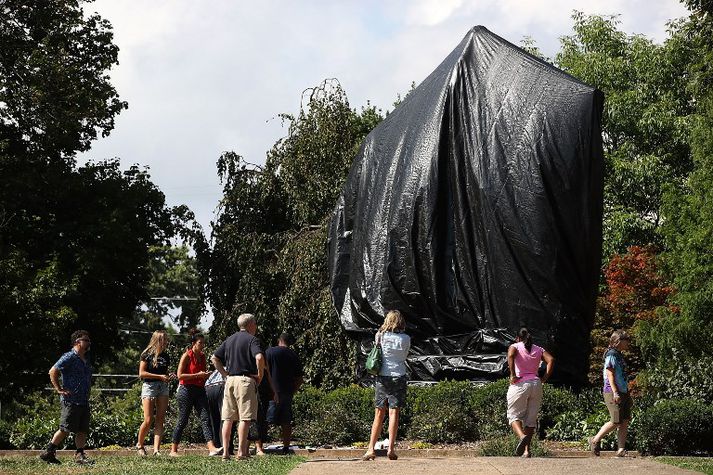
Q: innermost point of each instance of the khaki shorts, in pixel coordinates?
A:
(524, 401)
(619, 412)
(239, 399)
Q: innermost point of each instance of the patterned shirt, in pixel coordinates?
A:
(76, 377)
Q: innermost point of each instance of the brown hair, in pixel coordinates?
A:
(394, 322)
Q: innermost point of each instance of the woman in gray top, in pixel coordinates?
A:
(391, 381)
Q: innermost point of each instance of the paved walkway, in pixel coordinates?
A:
(488, 465)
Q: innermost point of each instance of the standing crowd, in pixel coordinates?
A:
(250, 385)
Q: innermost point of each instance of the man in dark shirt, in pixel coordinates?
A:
(242, 354)
(286, 374)
(76, 374)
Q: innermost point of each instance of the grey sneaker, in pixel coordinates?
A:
(50, 457)
(82, 459)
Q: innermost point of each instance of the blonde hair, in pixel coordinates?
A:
(157, 344)
(394, 322)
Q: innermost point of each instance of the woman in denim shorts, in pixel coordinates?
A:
(391, 381)
(153, 371)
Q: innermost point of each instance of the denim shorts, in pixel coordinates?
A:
(280, 413)
(391, 390)
(153, 389)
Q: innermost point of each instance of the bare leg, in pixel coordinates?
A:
(606, 428)
(518, 429)
(80, 439)
(259, 450)
(243, 430)
(531, 432)
(59, 436)
(286, 436)
(379, 414)
(148, 406)
(227, 429)
(159, 420)
(393, 427)
(623, 430)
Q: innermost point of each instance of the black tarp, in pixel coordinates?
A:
(475, 208)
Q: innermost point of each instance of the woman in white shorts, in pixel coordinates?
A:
(525, 391)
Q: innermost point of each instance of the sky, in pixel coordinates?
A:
(205, 77)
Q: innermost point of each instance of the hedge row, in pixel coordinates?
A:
(447, 412)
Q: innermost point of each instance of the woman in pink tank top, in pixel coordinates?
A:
(525, 392)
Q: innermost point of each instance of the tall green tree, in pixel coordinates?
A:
(269, 241)
(676, 346)
(74, 241)
(648, 115)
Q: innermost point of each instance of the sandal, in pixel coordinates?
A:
(522, 445)
(141, 451)
(368, 456)
(595, 447)
(392, 455)
(622, 453)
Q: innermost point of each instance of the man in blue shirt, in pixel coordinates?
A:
(76, 374)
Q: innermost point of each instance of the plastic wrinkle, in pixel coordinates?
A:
(475, 208)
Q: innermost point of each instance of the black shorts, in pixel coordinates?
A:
(74, 418)
(391, 390)
(280, 413)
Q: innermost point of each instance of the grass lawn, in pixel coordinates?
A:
(193, 464)
(699, 464)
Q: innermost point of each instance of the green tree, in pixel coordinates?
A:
(646, 123)
(74, 241)
(269, 240)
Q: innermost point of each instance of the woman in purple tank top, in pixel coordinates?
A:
(525, 392)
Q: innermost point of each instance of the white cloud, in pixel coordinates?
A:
(205, 77)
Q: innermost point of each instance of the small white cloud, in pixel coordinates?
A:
(432, 12)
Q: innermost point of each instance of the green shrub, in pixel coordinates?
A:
(336, 417)
(489, 407)
(441, 413)
(504, 446)
(676, 427)
(555, 401)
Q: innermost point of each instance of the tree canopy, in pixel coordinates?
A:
(75, 242)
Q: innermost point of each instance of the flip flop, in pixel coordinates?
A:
(522, 444)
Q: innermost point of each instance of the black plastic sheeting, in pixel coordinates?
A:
(475, 208)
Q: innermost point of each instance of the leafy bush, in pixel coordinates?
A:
(490, 409)
(676, 427)
(681, 378)
(555, 401)
(336, 417)
(505, 447)
(441, 413)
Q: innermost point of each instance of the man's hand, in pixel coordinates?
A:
(276, 398)
(617, 398)
(64, 392)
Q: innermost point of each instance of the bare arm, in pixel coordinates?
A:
(219, 366)
(612, 383)
(54, 378)
(550, 361)
(260, 362)
(144, 374)
(511, 364)
(183, 370)
(298, 382)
